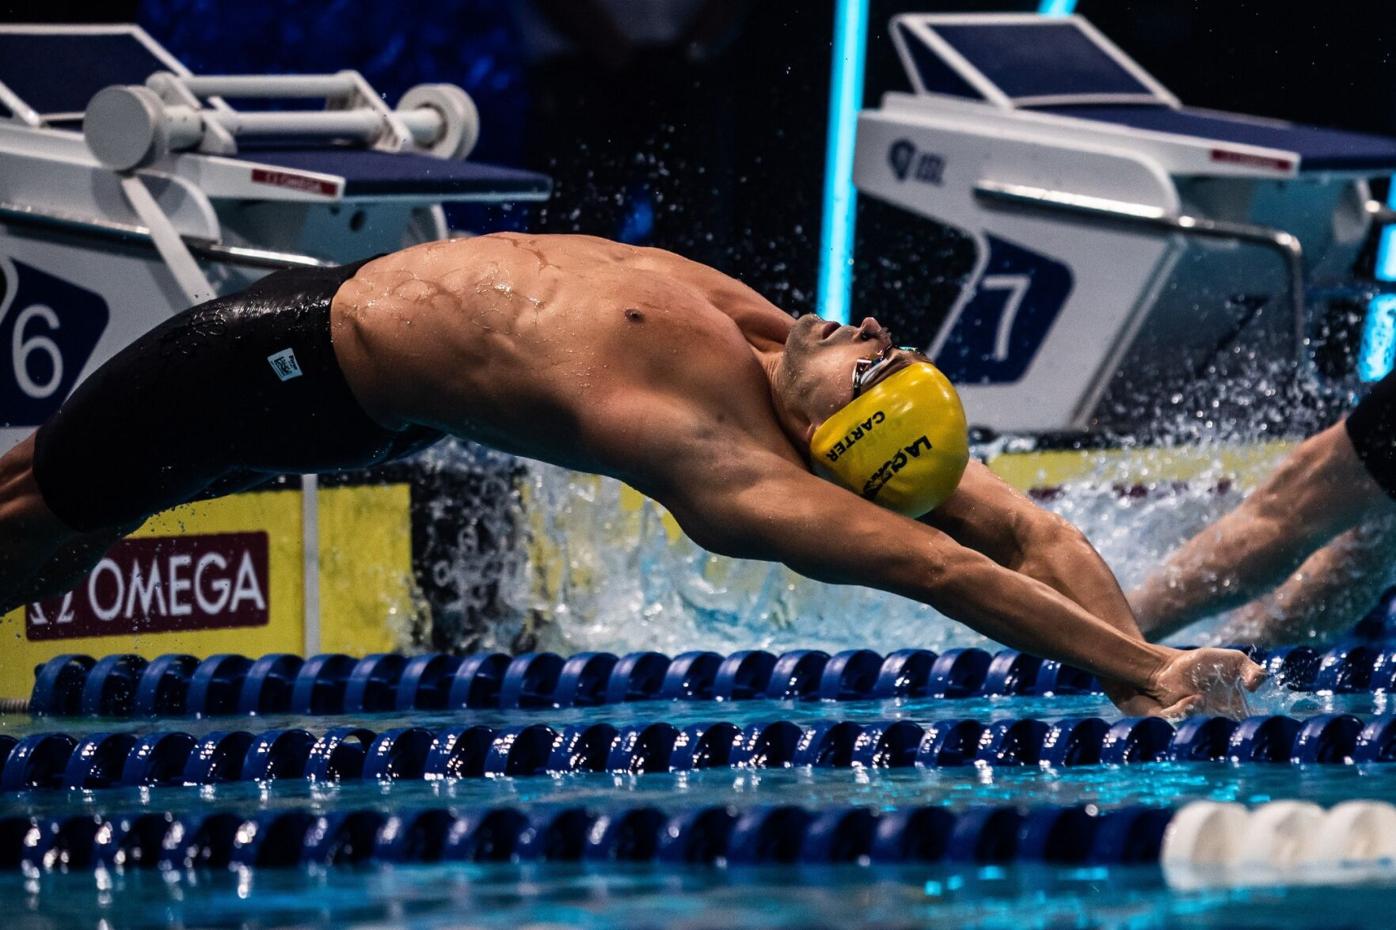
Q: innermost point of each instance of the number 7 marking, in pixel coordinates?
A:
(1017, 286)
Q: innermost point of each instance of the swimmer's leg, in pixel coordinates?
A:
(1320, 490)
(1329, 592)
(64, 569)
(31, 536)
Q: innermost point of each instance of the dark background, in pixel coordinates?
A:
(722, 157)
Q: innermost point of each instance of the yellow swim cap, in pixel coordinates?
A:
(902, 443)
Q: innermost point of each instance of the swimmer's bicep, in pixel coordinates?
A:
(987, 514)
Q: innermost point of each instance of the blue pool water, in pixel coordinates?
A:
(1014, 896)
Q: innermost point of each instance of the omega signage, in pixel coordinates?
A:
(162, 584)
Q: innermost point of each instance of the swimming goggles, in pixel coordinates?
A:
(867, 370)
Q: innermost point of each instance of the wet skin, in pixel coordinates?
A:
(691, 387)
(575, 350)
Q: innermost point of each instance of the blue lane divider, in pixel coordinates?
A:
(216, 685)
(102, 760)
(268, 683)
(724, 836)
(278, 754)
(58, 685)
(161, 689)
(97, 760)
(171, 685)
(126, 685)
(372, 685)
(110, 687)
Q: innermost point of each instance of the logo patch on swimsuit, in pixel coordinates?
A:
(285, 365)
(855, 434)
(896, 463)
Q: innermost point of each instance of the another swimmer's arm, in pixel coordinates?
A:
(1333, 587)
(767, 508)
(1319, 490)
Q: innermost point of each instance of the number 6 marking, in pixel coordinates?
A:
(21, 349)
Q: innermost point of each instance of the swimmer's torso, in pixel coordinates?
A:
(569, 349)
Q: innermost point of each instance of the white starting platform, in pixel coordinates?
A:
(131, 189)
(1123, 239)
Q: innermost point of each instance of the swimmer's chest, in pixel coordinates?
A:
(621, 368)
(686, 347)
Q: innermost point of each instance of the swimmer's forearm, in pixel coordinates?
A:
(1061, 557)
(1024, 613)
(1064, 560)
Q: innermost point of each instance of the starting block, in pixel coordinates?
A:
(1123, 240)
(131, 189)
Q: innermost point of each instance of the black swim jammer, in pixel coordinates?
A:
(216, 399)
(1372, 428)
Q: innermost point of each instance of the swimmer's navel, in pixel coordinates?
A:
(634, 316)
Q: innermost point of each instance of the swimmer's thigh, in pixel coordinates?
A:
(139, 435)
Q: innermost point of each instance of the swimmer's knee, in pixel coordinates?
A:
(26, 519)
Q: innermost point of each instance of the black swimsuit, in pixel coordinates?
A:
(216, 399)
(1372, 428)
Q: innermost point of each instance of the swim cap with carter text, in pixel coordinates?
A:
(903, 443)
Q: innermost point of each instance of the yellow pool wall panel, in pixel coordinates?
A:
(365, 581)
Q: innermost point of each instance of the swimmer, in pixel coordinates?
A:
(628, 362)
(1306, 554)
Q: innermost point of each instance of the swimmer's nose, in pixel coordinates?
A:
(870, 329)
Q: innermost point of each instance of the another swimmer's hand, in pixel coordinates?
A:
(1204, 681)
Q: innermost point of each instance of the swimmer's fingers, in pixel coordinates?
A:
(1231, 686)
(1184, 708)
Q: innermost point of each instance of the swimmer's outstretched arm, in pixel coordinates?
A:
(990, 516)
(760, 506)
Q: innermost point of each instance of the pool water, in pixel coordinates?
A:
(664, 895)
(1012, 898)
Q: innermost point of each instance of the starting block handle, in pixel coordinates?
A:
(329, 86)
(127, 127)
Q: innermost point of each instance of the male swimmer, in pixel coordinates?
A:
(628, 362)
(1333, 491)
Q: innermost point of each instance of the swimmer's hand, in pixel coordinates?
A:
(1204, 681)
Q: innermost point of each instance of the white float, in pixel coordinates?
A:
(1202, 844)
